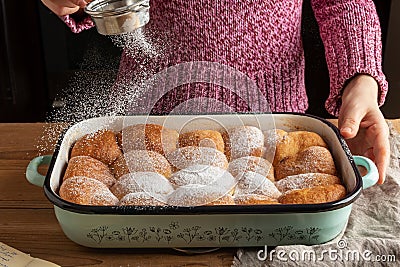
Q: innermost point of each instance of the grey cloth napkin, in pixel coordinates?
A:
(371, 238)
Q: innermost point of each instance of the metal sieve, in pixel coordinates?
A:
(113, 17)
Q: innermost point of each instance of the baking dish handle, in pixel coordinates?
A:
(32, 174)
(372, 175)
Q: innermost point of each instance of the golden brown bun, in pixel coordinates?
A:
(152, 183)
(101, 145)
(243, 141)
(312, 159)
(203, 175)
(184, 157)
(152, 137)
(224, 200)
(89, 167)
(271, 138)
(197, 195)
(87, 191)
(253, 164)
(255, 183)
(203, 138)
(314, 195)
(291, 143)
(306, 180)
(141, 199)
(141, 161)
(254, 199)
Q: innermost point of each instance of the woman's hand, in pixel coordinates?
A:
(64, 7)
(362, 123)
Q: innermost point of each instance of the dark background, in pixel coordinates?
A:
(40, 57)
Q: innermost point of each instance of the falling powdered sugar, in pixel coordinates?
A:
(93, 91)
(146, 49)
(96, 93)
(136, 42)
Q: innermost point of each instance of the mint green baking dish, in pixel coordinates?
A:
(205, 226)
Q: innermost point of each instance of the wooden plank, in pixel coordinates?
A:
(396, 124)
(28, 137)
(18, 145)
(17, 192)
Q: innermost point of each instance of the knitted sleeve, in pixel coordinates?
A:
(76, 25)
(351, 33)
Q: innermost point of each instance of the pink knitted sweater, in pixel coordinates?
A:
(261, 39)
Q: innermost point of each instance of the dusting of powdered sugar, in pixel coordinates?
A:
(147, 161)
(314, 159)
(152, 183)
(195, 195)
(271, 139)
(244, 140)
(255, 183)
(146, 49)
(136, 41)
(48, 139)
(203, 175)
(305, 180)
(87, 191)
(93, 91)
(87, 96)
(187, 156)
(251, 163)
(142, 199)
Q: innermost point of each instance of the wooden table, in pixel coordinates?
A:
(28, 223)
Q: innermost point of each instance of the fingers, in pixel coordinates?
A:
(382, 166)
(71, 3)
(358, 98)
(64, 7)
(369, 135)
(382, 154)
(81, 3)
(350, 117)
(64, 3)
(382, 163)
(379, 152)
(349, 124)
(349, 128)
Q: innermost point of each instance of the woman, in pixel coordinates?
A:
(262, 39)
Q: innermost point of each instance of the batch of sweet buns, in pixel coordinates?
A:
(151, 165)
